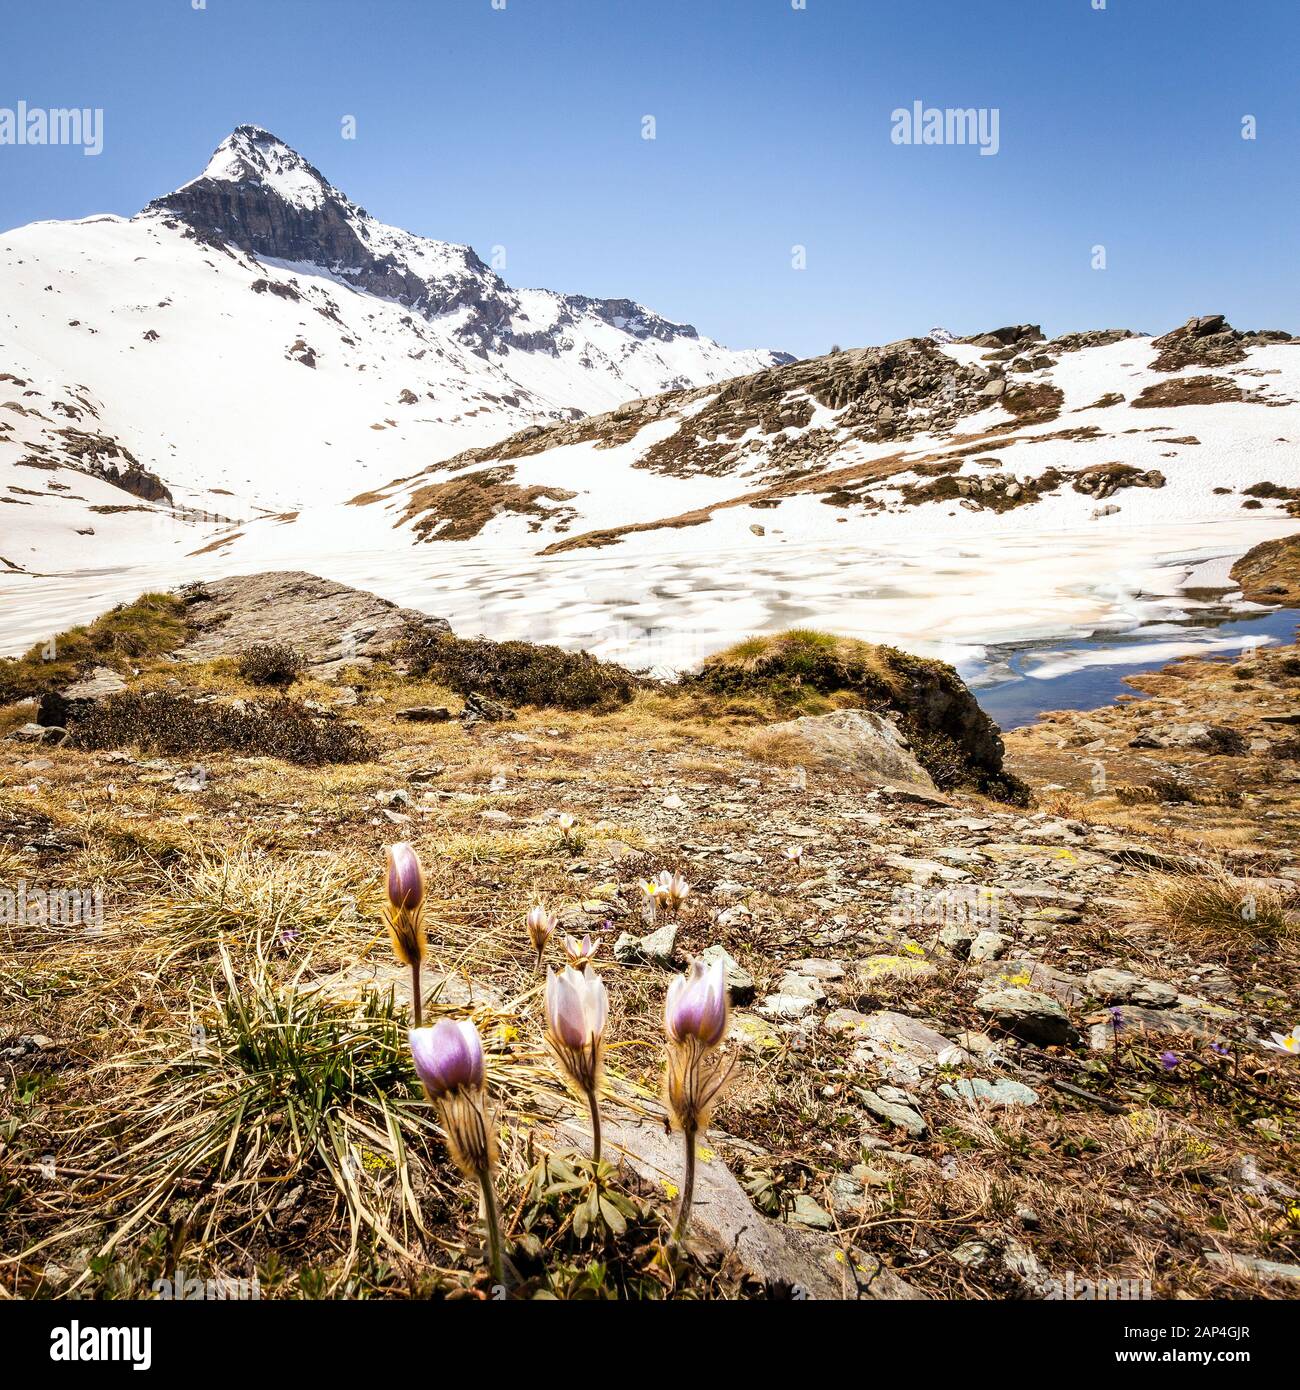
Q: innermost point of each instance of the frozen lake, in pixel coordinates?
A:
(1082, 601)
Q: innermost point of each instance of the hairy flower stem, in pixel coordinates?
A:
(493, 1223)
(688, 1186)
(417, 1005)
(595, 1126)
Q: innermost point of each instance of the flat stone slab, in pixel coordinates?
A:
(1248, 1264)
(1003, 1093)
(754, 1033)
(331, 624)
(377, 974)
(1027, 1014)
(658, 947)
(1021, 973)
(740, 983)
(1123, 987)
(876, 968)
(899, 1047)
(859, 742)
(1137, 1018)
(788, 1006)
(894, 1110)
(102, 682)
(813, 1264)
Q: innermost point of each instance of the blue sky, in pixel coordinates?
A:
(522, 127)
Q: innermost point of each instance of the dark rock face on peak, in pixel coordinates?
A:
(1016, 335)
(263, 197)
(268, 201)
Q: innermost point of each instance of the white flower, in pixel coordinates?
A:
(1289, 1042)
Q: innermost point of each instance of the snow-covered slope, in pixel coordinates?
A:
(253, 373)
(255, 342)
(933, 438)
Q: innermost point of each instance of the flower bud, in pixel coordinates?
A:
(696, 1006)
(405, 878)
(405, 887)
(448, 1057)
(541, 927)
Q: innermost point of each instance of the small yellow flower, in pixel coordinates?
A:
(670, 1188)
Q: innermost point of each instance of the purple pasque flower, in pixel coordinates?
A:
(405, 877)
(696, 1006)
(577, 1008)
(1169, 1060)
(695, 1020)
(448, 1057)
(579, 953)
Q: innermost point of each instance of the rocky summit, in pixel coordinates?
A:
(297, 350)
(261, 196)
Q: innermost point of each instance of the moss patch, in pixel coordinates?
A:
(518, 673)
(132, 632)
(952, 737)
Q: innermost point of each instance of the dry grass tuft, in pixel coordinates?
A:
(248, 893)
(1216, 911)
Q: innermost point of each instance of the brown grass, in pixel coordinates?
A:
(1217, 912)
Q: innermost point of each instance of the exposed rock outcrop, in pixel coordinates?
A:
(330, 624)
(58, 708)
(1208, 340)
(859, 742)
(885, 393)
(1270, 572)
(939, 722)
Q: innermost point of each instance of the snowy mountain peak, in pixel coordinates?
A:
(254, 343)
(261, 196)
(253, 155)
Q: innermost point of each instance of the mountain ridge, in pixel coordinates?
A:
(261, 195)
(255, 342)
